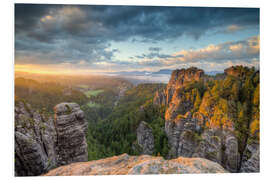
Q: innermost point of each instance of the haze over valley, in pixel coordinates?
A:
(115, 90)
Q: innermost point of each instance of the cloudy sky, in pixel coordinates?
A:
(94, 39)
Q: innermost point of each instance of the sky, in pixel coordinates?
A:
(105, 39)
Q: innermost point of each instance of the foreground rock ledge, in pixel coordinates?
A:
(144, 164)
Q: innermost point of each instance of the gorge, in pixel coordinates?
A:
(211, 124)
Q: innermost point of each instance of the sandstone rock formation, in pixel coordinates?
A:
(186, 140)
(71, 128)
(160, 98)
(179, 78)
(238, 71)
(179, 124)
(179, 144)
(232, 71)
(144, 164)
(221, 147)
(251, 160)
(35, 139)
(42, 143)
(186, 129)
(145, 138)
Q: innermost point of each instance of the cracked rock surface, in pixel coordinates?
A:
(43, 143)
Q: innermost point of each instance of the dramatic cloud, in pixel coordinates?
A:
(239, 50)
(235, 52)
(60, 34)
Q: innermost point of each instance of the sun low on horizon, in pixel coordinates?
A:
(74, 39)
(135, 90)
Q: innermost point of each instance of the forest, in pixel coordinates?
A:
(223, 99)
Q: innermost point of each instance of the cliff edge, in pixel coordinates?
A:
(144, 164)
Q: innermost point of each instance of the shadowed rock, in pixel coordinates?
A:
(71, 128)
(145, 138)
(35, 139)
(42, 143)
(251, 160)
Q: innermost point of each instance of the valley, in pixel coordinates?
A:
(194, 115)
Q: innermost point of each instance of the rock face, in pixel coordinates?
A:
(160, 98)
(237, 71)
(186, 139)
(178, 133)
(40, 141)
(179, 78)
(221, 147)
(144, 164)
(71, 128)
(145, 138)
(179, 124)
(185, 128)
(35, 140)
(251, 160)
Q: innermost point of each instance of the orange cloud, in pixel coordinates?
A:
(246, 49)
(233, 28)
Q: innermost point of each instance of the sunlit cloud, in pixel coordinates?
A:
(245, 50)
(233, 28)
(73, 38)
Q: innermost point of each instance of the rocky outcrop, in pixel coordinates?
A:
(233, 71)
(210, 147)
(144, 164)
(145, 138)
(239, 71)
(35, 139)
(180, 78)
(179, 122)
(231, 156)
(186, 140)
(71, 128)
(251, 159)
(192, 134)
(221, 147)
(174, 129)
(41, 142)
(160, 98)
